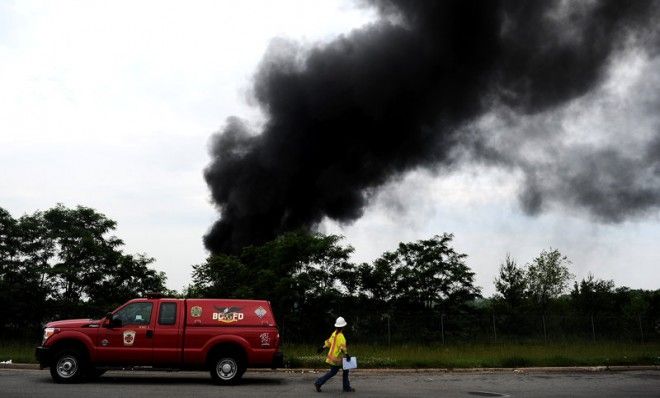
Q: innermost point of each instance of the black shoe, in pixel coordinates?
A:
(318, 387)
(350, 389)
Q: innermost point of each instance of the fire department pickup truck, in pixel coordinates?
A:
(223, 336)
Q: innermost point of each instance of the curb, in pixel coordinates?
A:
(19, 366)
(567, 369)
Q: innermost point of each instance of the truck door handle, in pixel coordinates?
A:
(150, 333)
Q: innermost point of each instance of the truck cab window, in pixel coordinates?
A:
(167, 314)
(135, 314)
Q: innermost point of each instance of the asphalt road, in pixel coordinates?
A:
(33, 383)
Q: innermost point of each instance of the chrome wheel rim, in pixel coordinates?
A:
(226, 368)
(67, 366)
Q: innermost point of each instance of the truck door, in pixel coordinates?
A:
(132, 342)
(168, 333)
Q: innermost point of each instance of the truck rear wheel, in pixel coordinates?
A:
(227, 369)
(67, 366)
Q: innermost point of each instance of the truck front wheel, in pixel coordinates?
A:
(226, 369)
(67, 366)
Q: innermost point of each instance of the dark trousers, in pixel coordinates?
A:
(333, 371)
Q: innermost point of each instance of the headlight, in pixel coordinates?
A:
(47, 333)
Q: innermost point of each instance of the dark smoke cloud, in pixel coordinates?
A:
(347, 117)
(607, 184)
(598, 154)
(613, 181)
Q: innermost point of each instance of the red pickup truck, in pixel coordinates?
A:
(223, 336)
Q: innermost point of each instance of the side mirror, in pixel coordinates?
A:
(107, 319)
(112, 321)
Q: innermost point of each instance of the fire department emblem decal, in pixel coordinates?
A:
(260, 312)
(129, 337)
(196, 311)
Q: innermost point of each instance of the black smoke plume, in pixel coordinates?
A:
(346, 117)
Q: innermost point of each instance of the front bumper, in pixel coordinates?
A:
(43, 355)
(278, 360)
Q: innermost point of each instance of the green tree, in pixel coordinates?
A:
(376, 281)
(511, 283)
(89, 267)
(298, 263)
(24, 282)
(85, 252)
(221, 276)
(428, 272)
(129, 277)
(548, 276)
(65, 262)
(9, 246)
(593, 296)
(304, 275)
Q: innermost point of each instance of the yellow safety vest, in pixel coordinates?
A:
(337, 344)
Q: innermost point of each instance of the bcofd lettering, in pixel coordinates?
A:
(227, 317)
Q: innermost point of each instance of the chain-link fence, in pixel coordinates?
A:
(388, 329)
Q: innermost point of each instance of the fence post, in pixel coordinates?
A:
(593, 328)
(641, 329)
(442, 327)
(545, 333)
(389, 331)
(494, 329)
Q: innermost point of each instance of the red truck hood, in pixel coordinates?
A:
(71, 323)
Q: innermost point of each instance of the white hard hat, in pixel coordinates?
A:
(340, 322)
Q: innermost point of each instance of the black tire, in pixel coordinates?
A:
(68, 366)
(227, 369)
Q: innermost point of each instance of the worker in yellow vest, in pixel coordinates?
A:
(338, 350)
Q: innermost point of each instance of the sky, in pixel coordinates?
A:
(112, 105)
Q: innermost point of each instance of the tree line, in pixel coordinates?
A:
(65, 262)
(424, 291)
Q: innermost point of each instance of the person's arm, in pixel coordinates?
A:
(325, 345)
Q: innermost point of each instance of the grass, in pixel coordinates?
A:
(486, 356)
(452, 356)
(17, 351)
